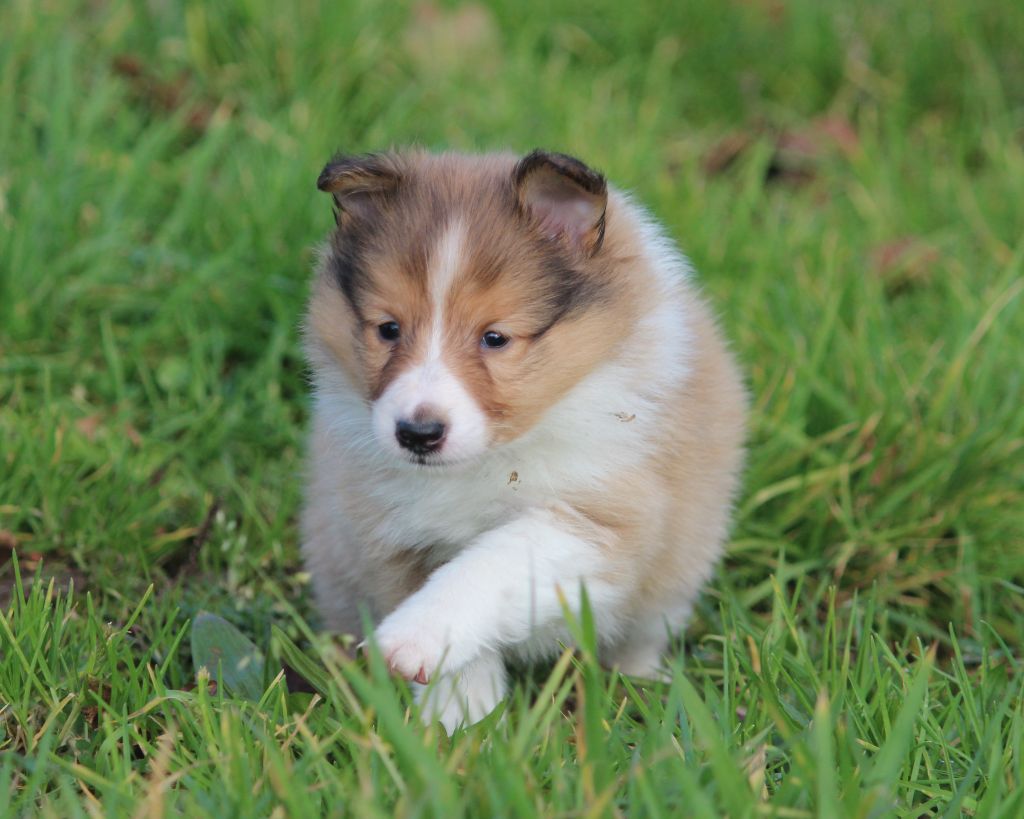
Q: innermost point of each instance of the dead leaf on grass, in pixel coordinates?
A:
(904, 263)
(796, 152)
(89, 426)
(726, 151)
(133, 435)
(163, 95)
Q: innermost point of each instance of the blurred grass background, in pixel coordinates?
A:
(848, 178)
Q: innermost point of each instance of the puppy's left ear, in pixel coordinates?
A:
(566, 198)
(360, 185)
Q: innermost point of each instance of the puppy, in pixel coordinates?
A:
(518, 393)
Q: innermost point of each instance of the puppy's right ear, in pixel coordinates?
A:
(360, 185)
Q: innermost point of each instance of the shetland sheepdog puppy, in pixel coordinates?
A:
(518, 394)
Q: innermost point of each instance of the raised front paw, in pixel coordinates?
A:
(417, 643)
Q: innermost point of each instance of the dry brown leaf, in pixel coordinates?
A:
(133, 435)
(904, 263)
(31, 560)
(726, 151)
(840, 132)
(89, 426)
(820, 137)
(796, 151)
(8, 540)
(167, 96)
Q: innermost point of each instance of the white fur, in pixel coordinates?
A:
(445, 265)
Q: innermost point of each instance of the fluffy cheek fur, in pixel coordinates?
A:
(329, 330)
(518, 385)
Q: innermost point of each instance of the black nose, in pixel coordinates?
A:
(420, 437)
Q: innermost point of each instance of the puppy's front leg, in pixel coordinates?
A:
(502, 589)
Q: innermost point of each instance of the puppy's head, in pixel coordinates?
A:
(464, 296)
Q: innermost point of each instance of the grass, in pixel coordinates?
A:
(846, 177)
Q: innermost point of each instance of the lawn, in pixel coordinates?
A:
(848, 178)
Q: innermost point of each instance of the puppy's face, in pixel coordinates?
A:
(463, 296)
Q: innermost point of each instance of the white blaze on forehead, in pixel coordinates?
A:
(443, 268)
(431, 382)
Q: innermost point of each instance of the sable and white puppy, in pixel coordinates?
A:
(517, 392)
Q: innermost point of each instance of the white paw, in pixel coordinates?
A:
(465, 696)
(639, 659)
(417, 643)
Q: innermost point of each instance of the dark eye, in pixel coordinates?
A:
(493, 339)
(389, 330)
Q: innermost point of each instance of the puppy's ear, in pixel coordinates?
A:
(564, 197)
(360, 185)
